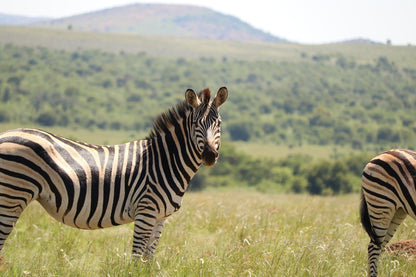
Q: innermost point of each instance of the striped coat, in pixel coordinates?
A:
(96, 186)
(388, 195)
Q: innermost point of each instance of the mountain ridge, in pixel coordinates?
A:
(169, 20)
(163, 20)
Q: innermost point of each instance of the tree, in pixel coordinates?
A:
(239, 131)
(328, 178)
(71, 91)
(6, 95)
(15, 81)
(321, 117)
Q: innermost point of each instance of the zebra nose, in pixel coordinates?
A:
(209, 155)
(210, 148)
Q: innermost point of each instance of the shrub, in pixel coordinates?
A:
(46, 119)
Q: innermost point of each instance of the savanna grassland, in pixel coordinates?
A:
(301, 122)
(228, 233)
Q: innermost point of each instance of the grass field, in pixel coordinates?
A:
(233, 233)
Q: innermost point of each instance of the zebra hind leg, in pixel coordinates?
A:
(13, 201)
(9, 214)
(384, 235)
(374, 251)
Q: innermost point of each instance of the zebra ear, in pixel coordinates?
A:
(192, 98)
(205, 96)
(220, 98)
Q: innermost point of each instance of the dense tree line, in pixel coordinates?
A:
(323, 99)
(293, 174)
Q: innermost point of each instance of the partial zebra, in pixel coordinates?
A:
(95, 186)
(388, 195)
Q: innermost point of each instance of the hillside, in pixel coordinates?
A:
(359, 41)
(163, 20)
(308, 96)
(327, 101)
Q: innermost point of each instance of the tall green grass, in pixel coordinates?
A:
(230, 233)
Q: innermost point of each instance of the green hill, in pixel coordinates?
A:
(163, 20)
(356, 95)
(327, 101)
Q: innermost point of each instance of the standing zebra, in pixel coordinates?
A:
(93, 186)
(388, 195)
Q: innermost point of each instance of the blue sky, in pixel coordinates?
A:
(303, 21)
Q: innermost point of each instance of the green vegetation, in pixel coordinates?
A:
(299, 118)
(321, 100)
(213, 234)
(298, 173)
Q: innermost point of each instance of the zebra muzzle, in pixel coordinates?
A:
(209, 155)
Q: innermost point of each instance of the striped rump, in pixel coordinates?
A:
(388, 195)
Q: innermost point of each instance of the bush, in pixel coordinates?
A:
(295, 173)
(4, 116)
(46, 119)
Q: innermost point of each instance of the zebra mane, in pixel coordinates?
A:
(165, 120)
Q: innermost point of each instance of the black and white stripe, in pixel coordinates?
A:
(96, 186)
(388, 195)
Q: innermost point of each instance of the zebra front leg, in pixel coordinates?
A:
(154, 239)
(144, 224)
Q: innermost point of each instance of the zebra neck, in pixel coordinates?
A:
(174, 159)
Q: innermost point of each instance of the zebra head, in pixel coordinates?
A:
(206, 122)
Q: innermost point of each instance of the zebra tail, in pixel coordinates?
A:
(366, 221)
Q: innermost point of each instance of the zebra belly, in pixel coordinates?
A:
(83, 220)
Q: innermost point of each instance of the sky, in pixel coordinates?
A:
(302, 21)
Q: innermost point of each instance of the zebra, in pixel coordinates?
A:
(388, 195)
(90, 186)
